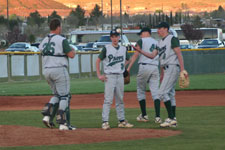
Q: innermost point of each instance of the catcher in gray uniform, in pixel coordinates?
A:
(171, 62)
(55, 52)
(148, 73)
(114, 57)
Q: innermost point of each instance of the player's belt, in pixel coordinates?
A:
(113, 73)
(57, 67)
(147, 64)
(144, 64)
(167, 66)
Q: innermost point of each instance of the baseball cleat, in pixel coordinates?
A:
(125, 124)
(71, 127)
(63, 127)
(169, 123)
(141, 118)
(158, 120)
(46, 122)
(174, 125)
(105, 126)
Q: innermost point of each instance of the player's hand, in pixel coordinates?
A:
(185, 74)
(103, 78)
(137, 48)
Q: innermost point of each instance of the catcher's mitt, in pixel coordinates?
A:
(184, 79)
(126, 76)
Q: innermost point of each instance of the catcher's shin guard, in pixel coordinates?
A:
(54, 111)
(47, 110)
(61, 117)
(68, 110)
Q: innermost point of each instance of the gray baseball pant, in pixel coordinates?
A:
(147, 74)
(113, 86)
(167, 87)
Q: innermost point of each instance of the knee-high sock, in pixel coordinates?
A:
(169, 109)
(174, 110)
(68, 115)
(143, 107)
(157, 107)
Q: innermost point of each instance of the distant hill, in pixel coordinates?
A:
(63, 7)
(135, 6)
(24, 7)
(33, 4)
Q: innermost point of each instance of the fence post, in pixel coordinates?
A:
(91, 65)
(79, 61)
(9, 67)
(25, 66)
(40, 66)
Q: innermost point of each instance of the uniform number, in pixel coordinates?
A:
(49, 48)
(122, 66)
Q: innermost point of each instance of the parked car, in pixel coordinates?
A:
(80, 47)
(89, 47)
(35, 44)
(211, 43)
(33, 49)
(19, 47)
(74, 47)
(105, 39)
(186, 46)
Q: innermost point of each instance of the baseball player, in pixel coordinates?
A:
(114, 57)
(148, 73)
(171, 62)
(55, 52)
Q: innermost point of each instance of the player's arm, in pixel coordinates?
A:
(175, 44)
(135, 55)
(180, 57)
(101, 56)
(70, 52)
(161, 74)
(149, 55)
(132, 60)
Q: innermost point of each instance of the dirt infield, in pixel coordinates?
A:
(184, 99)
(13, 135)
(42, 136)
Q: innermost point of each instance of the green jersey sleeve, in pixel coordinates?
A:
(175, 42)
(66, 46)
(102, 55)
(139, 42)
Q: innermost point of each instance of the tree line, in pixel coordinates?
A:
(37, 26)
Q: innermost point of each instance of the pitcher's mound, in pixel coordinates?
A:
(33, 136)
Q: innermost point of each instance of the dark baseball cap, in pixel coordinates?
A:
(114, 32)
(163, 25)
(145, 29)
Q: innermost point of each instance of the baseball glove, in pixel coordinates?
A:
(126, 76)
(184, 79)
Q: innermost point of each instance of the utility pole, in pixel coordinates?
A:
(102, 15)
(8, 13)
(111, 17)
(121, 22)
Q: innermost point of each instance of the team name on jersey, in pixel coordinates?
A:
(114, 60)
(162, 50)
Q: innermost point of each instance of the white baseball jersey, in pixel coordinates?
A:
(167, 56)
(54, 48)
(148, 45)
(114, 61)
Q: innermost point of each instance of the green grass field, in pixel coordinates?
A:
(203, 128)
(93, 85)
